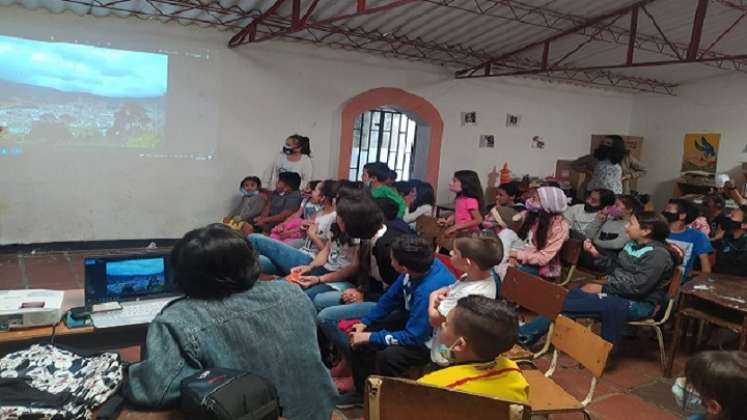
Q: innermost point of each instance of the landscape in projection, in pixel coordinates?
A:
(57, 93)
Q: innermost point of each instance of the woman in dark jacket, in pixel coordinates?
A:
(635, 286)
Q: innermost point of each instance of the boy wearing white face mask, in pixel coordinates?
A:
(473, 337)
(475, 256)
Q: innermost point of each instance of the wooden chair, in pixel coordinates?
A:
(569, 255)
(428, 227)
(674, 288)
(396, 398)
(535, 294)
(585, 347)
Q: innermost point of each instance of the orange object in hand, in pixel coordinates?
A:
(293, 276)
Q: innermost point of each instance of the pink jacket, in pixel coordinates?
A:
(547, 258)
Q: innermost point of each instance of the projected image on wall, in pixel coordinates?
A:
(69, 94)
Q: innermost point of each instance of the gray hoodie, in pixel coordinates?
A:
(641, 272)
(607, 234)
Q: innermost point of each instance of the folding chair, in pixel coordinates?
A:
(535, 294)
(674, 288)
(569, 255)
(583, 346)
(396, 398)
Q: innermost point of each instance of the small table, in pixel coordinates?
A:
(84, 338)
(719, 299)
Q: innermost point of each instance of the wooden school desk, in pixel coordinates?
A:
(718, 299)
(85, 338)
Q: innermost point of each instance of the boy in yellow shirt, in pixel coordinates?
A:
(473, 337)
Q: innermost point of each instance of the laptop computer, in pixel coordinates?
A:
(127, 289)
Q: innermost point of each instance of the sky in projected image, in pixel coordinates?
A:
(83, 69)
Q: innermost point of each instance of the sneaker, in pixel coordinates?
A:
(349, 400)
(344, 384)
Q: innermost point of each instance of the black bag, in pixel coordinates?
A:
(226, 394)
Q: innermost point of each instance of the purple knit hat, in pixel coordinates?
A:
(552, 199)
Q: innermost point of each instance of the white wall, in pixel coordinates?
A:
(717, 105)
(261, 94)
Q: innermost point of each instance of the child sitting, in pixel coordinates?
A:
(731, 248)
(635, 286)
(292, 230)
(715, 385)
(607, 231)
(391, 351)
(421, 203)
(472, 338)
(507, 195)
(544, 231)
(282, 203)
(581, 215)
(468, 206)
(375, 175)
(250, 205)
(475, 256)
(695, 244)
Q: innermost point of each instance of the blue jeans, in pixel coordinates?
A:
(325, 295)
(613, 311)
(276, 257)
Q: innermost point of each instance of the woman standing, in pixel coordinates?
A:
(296, 157)
(605, 166)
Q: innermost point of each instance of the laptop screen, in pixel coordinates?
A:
(131, 277)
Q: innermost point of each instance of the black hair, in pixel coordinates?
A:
(643, 198)
(361, 216)
(716, 199)
(291, 179)
(654, 222)
(214, 262)
(543, 220)
(303, 143)
(378, 170)
(720, 376)
(312, 184)
(393, 175)
(490, 326)
(351, 189)
(388, 207)
(404, 187)
(415, 253)
(511, 188)
(485, 251)
(614, 153)
(631, 203)
(328, 190)
(255, 179)
(471, 187)
(688, 208)
(606, 197)
(423, 195)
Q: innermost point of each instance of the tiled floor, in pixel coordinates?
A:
(634, 389)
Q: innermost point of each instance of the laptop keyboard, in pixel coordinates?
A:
(131, 314)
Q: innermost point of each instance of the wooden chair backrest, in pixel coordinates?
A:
(427, 227)
(571, 251)
(396, 398)
(674, 285)
(533, 293)
(581, 344)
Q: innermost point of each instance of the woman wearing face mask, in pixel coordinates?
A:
(607, 231)
(544, 231)
(605, 166)
(295, 157)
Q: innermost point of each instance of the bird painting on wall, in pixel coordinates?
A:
(701, 153)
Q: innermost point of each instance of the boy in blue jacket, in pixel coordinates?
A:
(381, 349)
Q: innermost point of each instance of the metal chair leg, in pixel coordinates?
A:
(662, 349)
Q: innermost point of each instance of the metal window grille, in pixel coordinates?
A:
(383, 135)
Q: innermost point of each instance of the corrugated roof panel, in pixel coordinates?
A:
(460, 33)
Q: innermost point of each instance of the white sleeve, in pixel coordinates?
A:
(270, 177)
(424, 210)
(307, 170)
